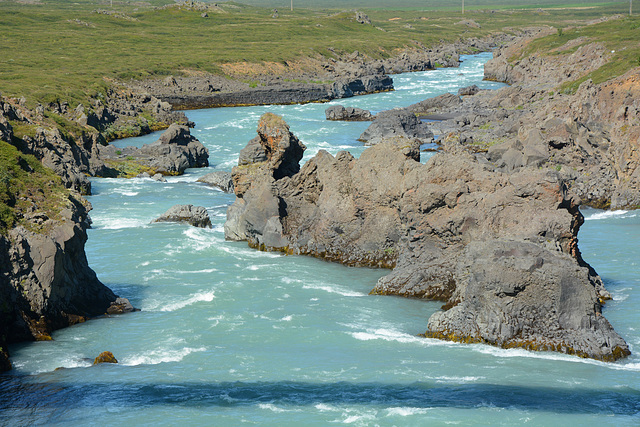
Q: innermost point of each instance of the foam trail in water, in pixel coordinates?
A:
(335, 289)
(199, 297)
(604, 215)
(160, 356)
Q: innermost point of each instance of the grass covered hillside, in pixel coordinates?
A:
(427, 4)
(29, 192)
(60, 50)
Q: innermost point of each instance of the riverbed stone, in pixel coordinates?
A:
(193, 215)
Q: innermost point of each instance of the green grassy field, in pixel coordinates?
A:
(424, 4)
(64, 50)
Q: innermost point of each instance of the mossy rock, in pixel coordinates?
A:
(105, 357)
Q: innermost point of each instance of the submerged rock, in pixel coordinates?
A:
(194, 215)
(121, 306)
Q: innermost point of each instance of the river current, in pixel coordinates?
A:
(228, 335)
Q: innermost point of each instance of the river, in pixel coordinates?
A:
(229, 335)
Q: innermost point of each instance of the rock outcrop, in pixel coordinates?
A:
(348, 114)
(220, 179)
(399, 123)
(194, 215)
(590, 136)
(174, 152)
(276, 155)
(500, 249)
(45, 280)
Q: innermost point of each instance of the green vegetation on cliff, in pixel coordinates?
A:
(27, 188)
(55, 49)
(619, 36)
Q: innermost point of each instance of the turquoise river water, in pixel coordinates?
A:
(228, 335)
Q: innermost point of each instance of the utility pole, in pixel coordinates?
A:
(292, 5)
(463, 6)
(630, 5)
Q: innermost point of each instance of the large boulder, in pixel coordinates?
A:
(194, 215)
(222, 180)
(253, 180)
(349, 114)
(396, 123)
(175, 151)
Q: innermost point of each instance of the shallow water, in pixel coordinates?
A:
(229, 335)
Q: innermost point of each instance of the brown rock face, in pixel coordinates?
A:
(499, 248)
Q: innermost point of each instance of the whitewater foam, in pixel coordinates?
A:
(406, 411)
(199, 297)
(334, 289)
(160, 356)
(596, 215)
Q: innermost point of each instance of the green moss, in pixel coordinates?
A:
(24, 185)
(129, 167)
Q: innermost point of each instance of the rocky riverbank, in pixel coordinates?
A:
(490, 224)
(309, 80)
(45, 280)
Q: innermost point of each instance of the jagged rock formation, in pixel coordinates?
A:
(349, 114)
(274, 154)
(194, 215)
(174, 152)
(499, 248)
(45, 280)
(590, 136)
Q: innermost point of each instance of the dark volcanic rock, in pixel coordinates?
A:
(350, 114)
(45, 280)
(469, 90)
(499, 248)
(396, 123)
(282, 154)
(435, 104)
(194, 215)
(220, 179)
(174, 152)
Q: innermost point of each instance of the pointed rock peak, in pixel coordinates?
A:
(282, 149)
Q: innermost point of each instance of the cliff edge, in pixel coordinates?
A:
(45, 280)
